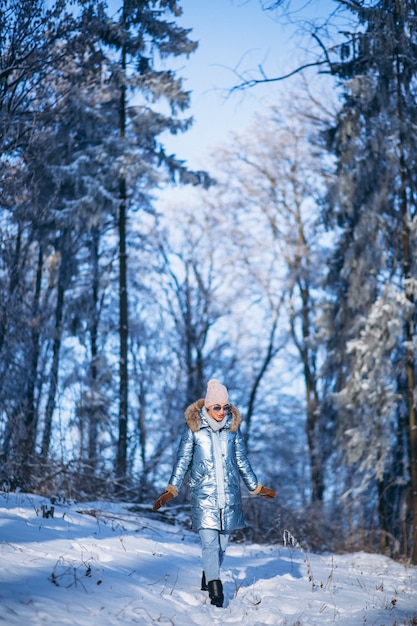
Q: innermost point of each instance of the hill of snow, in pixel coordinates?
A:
(101, 563)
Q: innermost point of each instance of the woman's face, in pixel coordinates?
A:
(218, 411)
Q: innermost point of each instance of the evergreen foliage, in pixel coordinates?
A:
(372, 203)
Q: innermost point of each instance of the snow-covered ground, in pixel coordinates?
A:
(100, 563)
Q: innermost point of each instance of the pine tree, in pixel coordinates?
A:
(34, 41)
(136, 45)
(372, 204)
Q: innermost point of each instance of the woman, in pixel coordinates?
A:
(212, 448)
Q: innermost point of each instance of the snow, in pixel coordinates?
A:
(106, 563)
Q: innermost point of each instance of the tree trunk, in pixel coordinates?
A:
(53, 375)
(271, 352)
(142, 435)
(31, 417)
(13, 283)
(382, 514)
(410, 366)
(93, 425)
(311, 394)
(121, 462)
(409, 330)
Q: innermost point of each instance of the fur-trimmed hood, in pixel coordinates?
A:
(193, 418)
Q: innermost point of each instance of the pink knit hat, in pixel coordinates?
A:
(216, 393)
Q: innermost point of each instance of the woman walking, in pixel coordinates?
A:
(212, 449)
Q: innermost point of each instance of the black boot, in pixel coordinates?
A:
(215, 589)
(203, 582)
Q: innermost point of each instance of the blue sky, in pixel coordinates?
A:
(234, 36)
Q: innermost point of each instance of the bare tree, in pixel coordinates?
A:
(271, 182)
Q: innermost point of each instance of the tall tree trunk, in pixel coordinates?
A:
(410, 366)
(271, 352)
(382, 514)
(311, 394)
(411, 383)
(31, 417)
(13, 283)
(54, 371)
(121, 462)
(92, 424)
(142, 434)
(409, 330)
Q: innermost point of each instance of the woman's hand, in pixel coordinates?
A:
(169, 493)
(265, 492)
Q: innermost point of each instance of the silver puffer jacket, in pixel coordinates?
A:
(213, 505)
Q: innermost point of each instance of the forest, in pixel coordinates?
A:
(290, 274)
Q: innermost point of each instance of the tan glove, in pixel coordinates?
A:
(267, 493)
(169, 493)
(264, 491)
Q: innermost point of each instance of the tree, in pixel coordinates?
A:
(33, 47)
(374, 187)
(191, 281)
(372, 201)
(143, 37)
(78, 156)
(270, 188)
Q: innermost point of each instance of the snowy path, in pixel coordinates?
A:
(123, 568)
